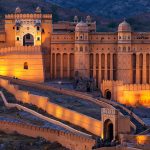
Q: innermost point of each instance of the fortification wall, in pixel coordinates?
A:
(68, 140)
(90, 124)
(13, 59)
(2, 37)
(136, 139)
(129, 94)
(28, 16)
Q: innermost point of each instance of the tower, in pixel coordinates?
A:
(82, 49)
(124, 59)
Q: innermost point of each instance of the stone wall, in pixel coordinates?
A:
(90, 124)
(68, 140)
(129, 94)
(13, 59)
(136, 139)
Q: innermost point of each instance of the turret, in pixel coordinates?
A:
(82, 49)
(124, 32)
(38, 10)
(18, 10)
(76, 19)
(124, 57)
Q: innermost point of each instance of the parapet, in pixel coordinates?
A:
(112, 82)
(136, 87)
(28, 16)
(21, 50)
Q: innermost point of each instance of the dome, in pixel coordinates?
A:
(82, 26)
(88, 19)
(38, 10)
(124, 26)
(18, 10)
(76, 19)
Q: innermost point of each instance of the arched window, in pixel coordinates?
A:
(26, 66)
(38, 28)
(124, 49)
(81, 49)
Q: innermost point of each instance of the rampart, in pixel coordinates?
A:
(68, 140)
(23, 62)
(129, 94)
(28, 16)
(90, 124)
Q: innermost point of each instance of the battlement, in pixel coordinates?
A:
(20, 50)
(136, 87)
(49, 134)
(28, 16)
(110, 82)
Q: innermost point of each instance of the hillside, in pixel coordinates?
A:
(108, 8)
(107, 13)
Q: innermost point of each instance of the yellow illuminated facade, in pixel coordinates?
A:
(34, 49)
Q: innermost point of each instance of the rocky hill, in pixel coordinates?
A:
(107, 13)
(108, 8)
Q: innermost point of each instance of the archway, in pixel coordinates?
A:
(28, 40)
(108, 94)
(108, 130)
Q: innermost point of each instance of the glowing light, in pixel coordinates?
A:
(141, 139)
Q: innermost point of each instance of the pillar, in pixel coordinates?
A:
(111, 66)
(68, 66)
(61, 66)
(105, 66)
(55, 67)
(144, 68)
(137, 69)
(94, 65)
(100, 69)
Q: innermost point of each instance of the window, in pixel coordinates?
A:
(81, 49)
(38, 28)
(18, 39)
(18, 28)
(38, 38)
(26, 66)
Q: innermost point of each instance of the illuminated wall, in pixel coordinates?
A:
(129, 94)
(22, 62)
(90, 124)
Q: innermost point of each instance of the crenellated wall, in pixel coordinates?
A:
(136, 139)
(28, 16)
(130, 94)
(90, 124)
(68, 140)
(13, 59)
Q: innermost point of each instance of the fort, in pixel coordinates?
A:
(34, 50)
(39, 50)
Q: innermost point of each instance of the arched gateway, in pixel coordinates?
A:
(108, 94)
(28, 40)
(113, 124)
(108, 130)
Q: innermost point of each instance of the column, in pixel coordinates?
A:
(111, 66)
(149, 67)
(61, 66)
(55, 66)
(68, 66)
(137, 69)
(144, 68)
(51, 66)
(94, 65)
(105, 66)
(99, 70)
